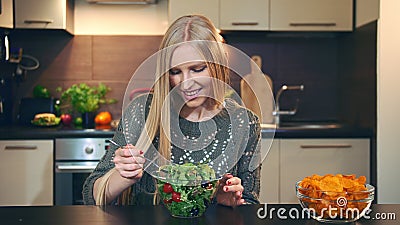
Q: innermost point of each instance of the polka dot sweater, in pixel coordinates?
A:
(229, 141)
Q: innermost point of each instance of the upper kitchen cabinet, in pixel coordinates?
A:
(237, 15)
(208, 8)
(311, 15)
(366, 11)
(6, 14)
(45, 14)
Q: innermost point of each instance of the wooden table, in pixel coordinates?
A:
(157, 215)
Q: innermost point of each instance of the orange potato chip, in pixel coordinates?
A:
(325, 190)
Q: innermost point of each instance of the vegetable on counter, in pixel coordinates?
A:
(66, 119)
(103, 118)
(40, 91)
(84, 98)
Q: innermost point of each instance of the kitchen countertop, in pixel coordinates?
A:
(30, 132)
(216, 214)
(317, 130)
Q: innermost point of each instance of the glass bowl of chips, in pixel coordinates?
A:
(186, 190)
(335, 198)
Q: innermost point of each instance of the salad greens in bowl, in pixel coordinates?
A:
(186, 190)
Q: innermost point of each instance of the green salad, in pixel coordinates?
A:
(187, 190)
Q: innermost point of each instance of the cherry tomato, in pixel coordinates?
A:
(167, 201)
(168, 188)
(176, 196)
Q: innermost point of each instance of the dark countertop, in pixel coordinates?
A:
(111, 215)
(31, 132)
(341, 131)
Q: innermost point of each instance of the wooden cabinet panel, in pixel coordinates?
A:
(366, 11)
(269, 192)
(275, 15)
(311, 15)
(26, 171)
(6, 14)
(208, 8)
(237, 15)
(44, 14)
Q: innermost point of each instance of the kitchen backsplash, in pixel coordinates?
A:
(311, 59)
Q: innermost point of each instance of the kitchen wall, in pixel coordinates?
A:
(388, 141)
(66, 60)
(112, 60)
(102, 51)
(314, 60)
(308, 59)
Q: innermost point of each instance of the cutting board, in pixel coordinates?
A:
(258, 84)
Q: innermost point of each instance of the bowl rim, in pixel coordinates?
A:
(370, 191)
(370, 188)
(193, 182)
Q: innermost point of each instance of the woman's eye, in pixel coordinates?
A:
(174, 72)
(201, 69)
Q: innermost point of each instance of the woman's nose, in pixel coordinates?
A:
(186, 81)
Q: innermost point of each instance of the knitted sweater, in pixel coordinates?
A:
(237, 130)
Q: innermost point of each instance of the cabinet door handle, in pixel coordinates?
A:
(75, 167)
(244, 23)
(312, 24)
(38, 21)
(326, 146)
(20, 147)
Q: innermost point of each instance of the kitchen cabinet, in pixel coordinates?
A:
(6, 14)
(366, 11)
(44, 14)
(311, 15)
(303, 157)
(274, 15)
(208, 8)
(237, 15)
(26, 171)
(269, 190)
(290, 160)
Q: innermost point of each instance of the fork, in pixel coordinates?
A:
(151, 161)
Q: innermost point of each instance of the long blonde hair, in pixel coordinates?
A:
(185, 29)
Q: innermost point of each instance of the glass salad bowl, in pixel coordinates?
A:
(186, 190)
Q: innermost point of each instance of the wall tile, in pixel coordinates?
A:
(117, 57)
(327, 65)
(74, 62)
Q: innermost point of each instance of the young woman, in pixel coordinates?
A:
(186, 108)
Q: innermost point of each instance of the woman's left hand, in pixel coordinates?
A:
(230, 190)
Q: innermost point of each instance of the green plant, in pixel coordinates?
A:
(84, 98)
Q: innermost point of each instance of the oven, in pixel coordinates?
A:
(75, 159)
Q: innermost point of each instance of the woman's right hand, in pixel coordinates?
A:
(128, 162)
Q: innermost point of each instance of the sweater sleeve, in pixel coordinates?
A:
(102, 168)
(128, 130)
(251, 177)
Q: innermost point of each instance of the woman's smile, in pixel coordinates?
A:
(191, 94)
